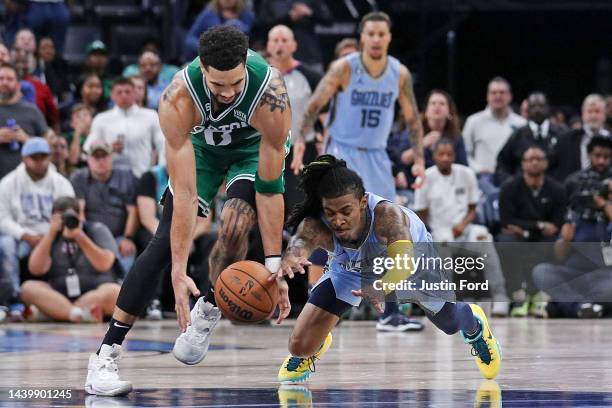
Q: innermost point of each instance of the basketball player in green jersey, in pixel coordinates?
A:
(225, 117)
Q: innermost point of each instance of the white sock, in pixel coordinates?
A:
(76, 314)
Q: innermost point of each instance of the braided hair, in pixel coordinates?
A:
(325, 177)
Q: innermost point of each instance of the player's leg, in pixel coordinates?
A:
(135, 294)
(471, 321)
(311, 336)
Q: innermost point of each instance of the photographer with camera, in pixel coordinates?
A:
(76, 257)
(582, 281)
(587, 192)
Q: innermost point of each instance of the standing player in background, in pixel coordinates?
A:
(220, 115)
(365, 86)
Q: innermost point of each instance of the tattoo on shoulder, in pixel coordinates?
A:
(171, 90)
(275, 95)
(391, 223)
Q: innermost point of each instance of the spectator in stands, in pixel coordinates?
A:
(107, 195)
(27, 195)
(571, 150)
(28, 94)
(133, 132)
(580, 285)
(216, 13)
(487, 131)
(447, 203)
(90, 92)
(25, 40)
(80, 124)
(18, 120)
(96, 62)
(45, 101)
(586, 191)
(76, 257)
(538, 131)
(167, 71)
(150, 66)
(301, 16)
(60, 154)
(140, 90)
(52, 69)
(532, 208)
(43, 17)
(345, 47)
(440, 119)
(301, 82)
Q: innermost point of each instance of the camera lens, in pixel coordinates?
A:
(70, 220)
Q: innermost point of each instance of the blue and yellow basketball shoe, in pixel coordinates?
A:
(294, 396)
(297, 369)
(485, 347)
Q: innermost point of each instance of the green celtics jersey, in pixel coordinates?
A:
(231, 127)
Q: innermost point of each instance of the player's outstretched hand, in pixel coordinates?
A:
(183, 286)
(297, 164)
(375, 297)
(291, 265)
(283, 299)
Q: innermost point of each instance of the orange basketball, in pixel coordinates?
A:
(244, 294)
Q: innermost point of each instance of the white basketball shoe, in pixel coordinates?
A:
(103, 373)
(192, 345)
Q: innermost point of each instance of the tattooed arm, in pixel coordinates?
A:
(272, 119)
(410, 112)
(335, 79)
(391, 223)
(311, 234)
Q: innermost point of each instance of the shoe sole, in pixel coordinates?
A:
(299, 380)
(117, 392)
(187, 362)
(397, 329)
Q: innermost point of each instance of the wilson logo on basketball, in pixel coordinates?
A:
(234, 308)
(246, 288)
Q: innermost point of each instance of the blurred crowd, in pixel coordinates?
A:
(82, 170)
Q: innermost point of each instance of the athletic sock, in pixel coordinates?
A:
(115, 334)
(391, 308)
(210, 295)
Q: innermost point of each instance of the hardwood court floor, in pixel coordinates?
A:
(549, 363)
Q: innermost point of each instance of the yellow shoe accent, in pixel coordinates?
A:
(294, 396)
(485, 347)
(297, 369)
(488, 395)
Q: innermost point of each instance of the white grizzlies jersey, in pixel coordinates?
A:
(362, 114)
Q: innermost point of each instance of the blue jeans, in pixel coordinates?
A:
(126, 262)
(12, 251)
(591, 231)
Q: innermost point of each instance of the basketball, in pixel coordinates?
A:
(243, 293)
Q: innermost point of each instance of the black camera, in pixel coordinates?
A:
(70, 219)
(589, 184)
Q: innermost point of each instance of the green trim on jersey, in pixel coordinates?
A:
(226, 146)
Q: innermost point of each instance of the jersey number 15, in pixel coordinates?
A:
(370, 118)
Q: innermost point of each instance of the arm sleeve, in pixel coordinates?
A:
(132, 182)
(468, 140)
(560, 209)
(78, 181)
(474, 191)
(505, 158)
(8, 226)
(40, 123)
(94, 133)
